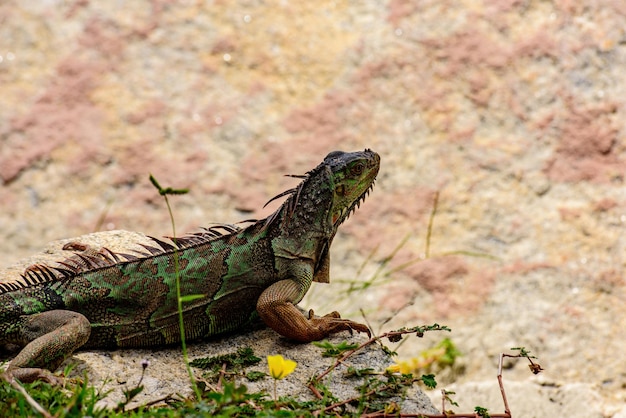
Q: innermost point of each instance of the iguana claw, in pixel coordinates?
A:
(332, 323)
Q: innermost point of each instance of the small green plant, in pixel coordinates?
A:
(130, 394)
(534, 367)
(334, 350)
(231, 401)
(180, 299)
(376, 393)
(228, 366)
(45, 400)
(243, 357)
(482, 412)
(446, 398)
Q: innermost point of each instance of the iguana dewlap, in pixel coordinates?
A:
(100, 298)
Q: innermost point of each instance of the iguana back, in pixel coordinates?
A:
(131, 302)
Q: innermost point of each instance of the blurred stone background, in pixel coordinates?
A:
(512, 110)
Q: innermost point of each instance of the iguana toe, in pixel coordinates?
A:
(332, 323)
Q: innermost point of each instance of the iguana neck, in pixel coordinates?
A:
(307, 213)
(303, 224)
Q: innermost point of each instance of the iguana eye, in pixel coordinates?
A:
(357, 169)
(340, 190)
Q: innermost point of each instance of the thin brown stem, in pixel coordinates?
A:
(501, 384)
(33, 403)
(431, 221)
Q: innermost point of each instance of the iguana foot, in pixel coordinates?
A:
(276, 309)
(333, 322)
(29, 375)
(52, 336)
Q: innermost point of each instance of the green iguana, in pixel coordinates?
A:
(99, 298)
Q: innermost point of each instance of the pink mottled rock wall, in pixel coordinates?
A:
(513, 111)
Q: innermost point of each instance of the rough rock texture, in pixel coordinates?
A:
(119, 370)
(512, 110)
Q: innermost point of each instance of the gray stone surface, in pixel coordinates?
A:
(117, 370)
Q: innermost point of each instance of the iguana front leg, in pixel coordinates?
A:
(276, 306)
(50, 338)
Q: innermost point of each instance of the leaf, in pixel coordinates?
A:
(429, 381)
(334, 350)
(354, 372)
(190, 298)
(166, 190)
(155, 183)
(243, 357)
(254, 376)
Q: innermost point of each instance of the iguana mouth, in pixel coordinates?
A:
(346, 212)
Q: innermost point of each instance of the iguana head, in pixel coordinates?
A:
(353, 175)
(307, 221)
(328, 194)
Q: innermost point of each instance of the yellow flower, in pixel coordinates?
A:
(402, 367)
(279, 367)
(413, 365)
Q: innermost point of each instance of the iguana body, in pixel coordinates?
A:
(97, 298)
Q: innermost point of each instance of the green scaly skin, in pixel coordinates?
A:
(97, 298)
